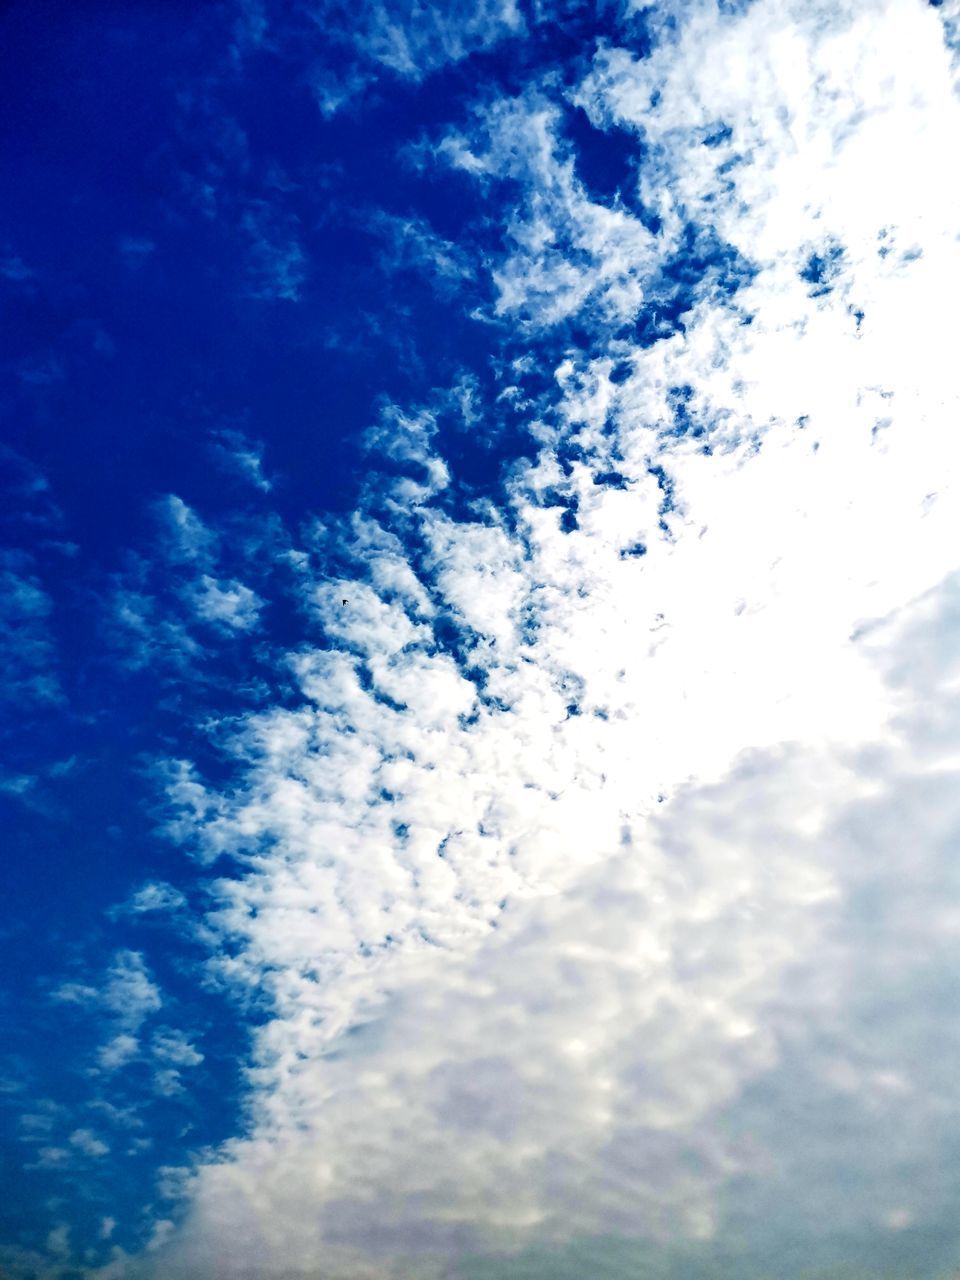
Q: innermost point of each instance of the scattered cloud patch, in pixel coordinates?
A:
(172, 1046)
(117, 1052)
(153, 896)
(129, 992)
(225, 603)
(404, 40)
(28, 661)
(170, 608)
(87, 1142)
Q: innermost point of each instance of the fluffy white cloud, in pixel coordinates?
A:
(627, 915)
(229, 604)
(710, 1012)
(173, 1046)
(117, 1051)
(127, 992)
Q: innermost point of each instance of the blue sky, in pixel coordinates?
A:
(578, 898)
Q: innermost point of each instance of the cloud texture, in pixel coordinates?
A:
(590, 885)
(626, 916)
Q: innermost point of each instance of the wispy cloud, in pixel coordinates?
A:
(124, 998)
(403, 39)
(153, 896)
(276, 261)
(411, 244)
(236, 453)
(29, 673)
(168, 609)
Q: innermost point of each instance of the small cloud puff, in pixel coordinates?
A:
(226, 603)
(155, 895)
(87, 1142)
(117, 1052)
(129, 993)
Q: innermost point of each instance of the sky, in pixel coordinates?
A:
(479, 640)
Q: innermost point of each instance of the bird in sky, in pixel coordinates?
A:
(343, 602)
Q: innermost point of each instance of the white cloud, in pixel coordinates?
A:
(86, 1141)
(634, 922)
(75, 993)
(170, 1045)
(411, 244)
(39, 1124)
(50, 1158)
(411, 40)
(161, 1232)
(119, 1117)
(567, 252)
(117, 1051)
(130, 994)
(403, 38)
(226, 603)
(167, 1082)
(125, 998)
(155, 895)
(613, 1053)
(186, 538)
(165, 607)
(146, 636)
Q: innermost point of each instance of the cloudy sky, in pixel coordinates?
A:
(480, 640)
